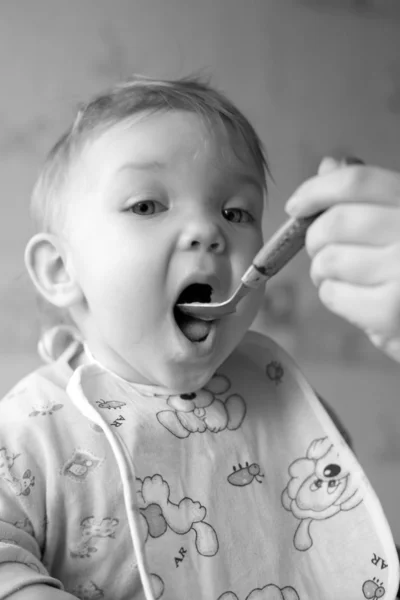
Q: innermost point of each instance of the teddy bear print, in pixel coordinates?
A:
(21, 486)
(90, 530)
(269, 592)
(320, 487)
(159, 513)
(203, 410)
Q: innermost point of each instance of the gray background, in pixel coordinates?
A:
(313, 76)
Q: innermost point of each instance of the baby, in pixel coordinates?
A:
(159, 456)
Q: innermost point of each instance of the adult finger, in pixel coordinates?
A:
(359, 265)
(328, 163)
(365, 224)
(354, 183)
(375, 310)
(389, 345)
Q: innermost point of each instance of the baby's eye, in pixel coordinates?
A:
(146, 207)
(237, 215)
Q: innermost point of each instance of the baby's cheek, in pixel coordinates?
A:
(249, 307)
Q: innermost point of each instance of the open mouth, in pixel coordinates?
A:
(194, 329)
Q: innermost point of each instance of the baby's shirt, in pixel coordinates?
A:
(244, 490)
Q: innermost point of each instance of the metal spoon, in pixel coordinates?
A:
(275, 254)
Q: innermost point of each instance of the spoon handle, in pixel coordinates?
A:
(279, 250)
(284, 244)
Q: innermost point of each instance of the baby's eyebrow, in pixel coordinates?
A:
(151, 165)
(240, 178)
(232, 181)
(248, 179)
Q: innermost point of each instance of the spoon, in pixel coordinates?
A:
(273, 256)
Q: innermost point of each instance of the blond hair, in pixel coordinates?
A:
(120, 103)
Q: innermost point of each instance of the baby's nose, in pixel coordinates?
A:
(213, 246)
(202, 235)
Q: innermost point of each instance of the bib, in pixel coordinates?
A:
(242, 490)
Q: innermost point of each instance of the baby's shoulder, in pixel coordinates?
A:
(41, 392)
(39, 424)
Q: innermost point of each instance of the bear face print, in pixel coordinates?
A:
(320, 487)
(204, 410)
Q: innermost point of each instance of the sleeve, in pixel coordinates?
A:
(22, 503)
(20, 564)
(17, 576)
(20, 553)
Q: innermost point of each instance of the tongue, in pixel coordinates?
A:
(195, 330)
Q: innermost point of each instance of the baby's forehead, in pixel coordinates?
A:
(168, 137)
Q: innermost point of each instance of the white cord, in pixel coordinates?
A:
(126, 469)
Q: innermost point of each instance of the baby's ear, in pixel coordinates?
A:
(47, 265)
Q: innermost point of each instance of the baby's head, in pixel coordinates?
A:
(156, 186)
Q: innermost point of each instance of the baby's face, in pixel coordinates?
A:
(165, 205)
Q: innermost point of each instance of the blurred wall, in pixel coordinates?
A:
(313, 76)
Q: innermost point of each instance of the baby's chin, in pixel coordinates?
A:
(176, 374)
(166, 359)
(181, 374)
(186, 377)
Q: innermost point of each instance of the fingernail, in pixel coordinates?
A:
(292, 207)
(327, 165)
(353, 160)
